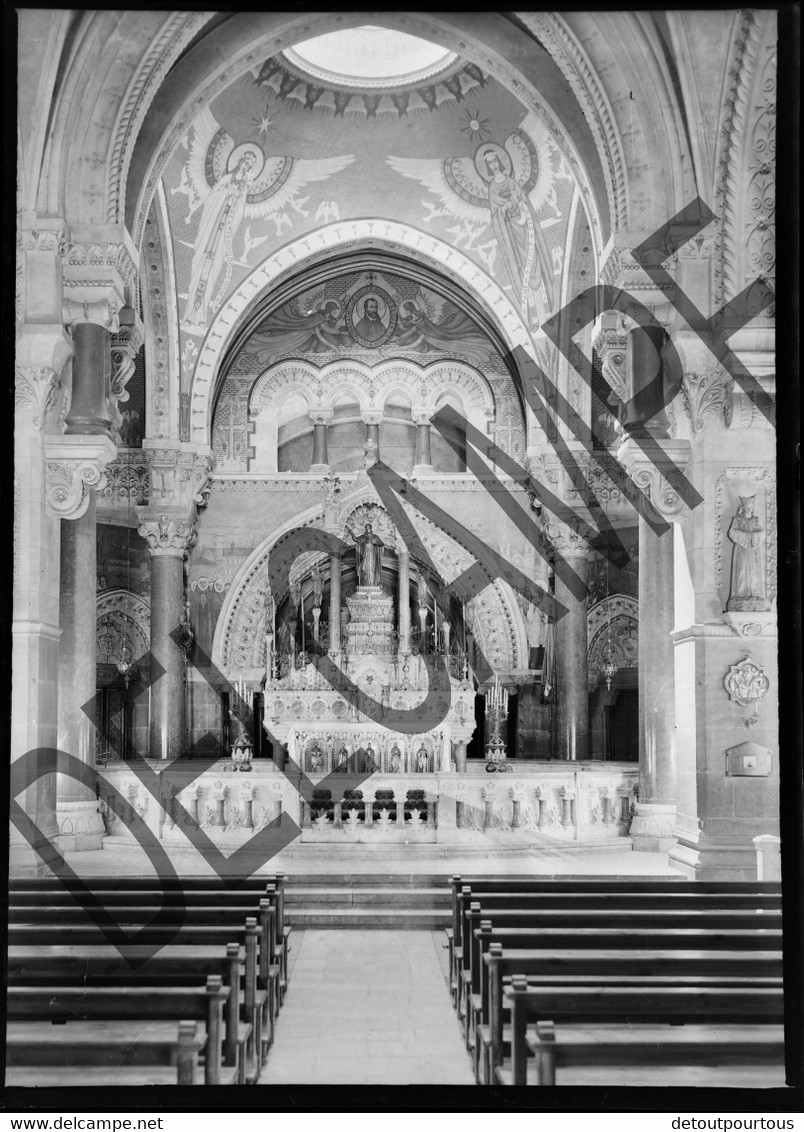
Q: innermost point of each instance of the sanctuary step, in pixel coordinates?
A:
(368, 900)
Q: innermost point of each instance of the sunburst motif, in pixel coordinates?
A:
(475, 125)
(263, 125)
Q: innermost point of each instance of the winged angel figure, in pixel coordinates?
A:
(231, 183)
(501, 186)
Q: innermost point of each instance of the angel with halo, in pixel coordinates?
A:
(235, 182)
(501, 186)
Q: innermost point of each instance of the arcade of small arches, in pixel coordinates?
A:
(201, 384)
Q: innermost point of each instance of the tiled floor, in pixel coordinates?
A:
(367, 1007)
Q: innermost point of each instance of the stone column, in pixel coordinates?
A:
(372, 423)
(655, 814)
(89, 407)
(80, 825)
(334, 604)
(169, 539)
(572, 659)
(424, 460)
(35, 627)
(320, 419)
(403, 598)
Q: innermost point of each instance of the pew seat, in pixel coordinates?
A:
(638, 1047)
(106, 1044)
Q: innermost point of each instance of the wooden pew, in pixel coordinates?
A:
(38, 1053)
(172, 966)
(659, 914)
(529, 893)
(638, 929)
(635, 968)
(220, 904)
(719, 1027)
(71, 1004)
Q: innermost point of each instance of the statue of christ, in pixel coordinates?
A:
(368, 551)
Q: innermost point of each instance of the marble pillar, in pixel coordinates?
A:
(81, 826)
(89, 406)
(320, 462)
(334, 604)
(572, 665)
(403, 599)
(652, 827)
(168, 540)
(424, 459)
(373, 434)
(35, 627)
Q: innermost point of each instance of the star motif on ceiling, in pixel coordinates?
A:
(475, 125)
(263, 125)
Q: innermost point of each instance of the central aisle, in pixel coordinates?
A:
(366, 1008)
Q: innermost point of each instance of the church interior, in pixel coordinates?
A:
(395, 546)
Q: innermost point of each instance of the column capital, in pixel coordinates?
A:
(167, 535)
(320, 416)
(100, 270)
(706, 396)
(565, 539)
(371, 416)
(180, 474)
(422, 415)
(74, 465)
(646, 471)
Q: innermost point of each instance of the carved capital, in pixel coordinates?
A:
(422, 416)
(179, 477)
(707, 395)
(75, 464)
(566, 540)
(320, 416)
(652, 819)
(371, 416)
(100, 269)
(35, 388)
(168, 536)
(648, 472)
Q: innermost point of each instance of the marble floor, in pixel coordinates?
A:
(367, 1007)
(128, 859)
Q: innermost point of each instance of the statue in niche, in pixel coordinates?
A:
(422, 760)
(371, 761)
(318, 587)
(422, 592)
(316, 759)
(343, 761)
(368, 551)
(396, 760)
(747, 566)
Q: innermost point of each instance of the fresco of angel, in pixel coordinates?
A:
(500, 186)
(234, 182)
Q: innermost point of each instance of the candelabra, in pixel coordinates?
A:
(497, 709)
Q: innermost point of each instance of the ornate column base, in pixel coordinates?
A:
(653, 826)
(320, 469)
(81, 826)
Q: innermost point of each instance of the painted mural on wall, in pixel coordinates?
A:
(124, 561)
(275, 156)
(213, 564)
(369, 316)
(385, 314)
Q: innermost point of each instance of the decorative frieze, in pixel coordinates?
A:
(127, 477)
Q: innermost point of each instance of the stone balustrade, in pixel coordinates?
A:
(543, 804)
